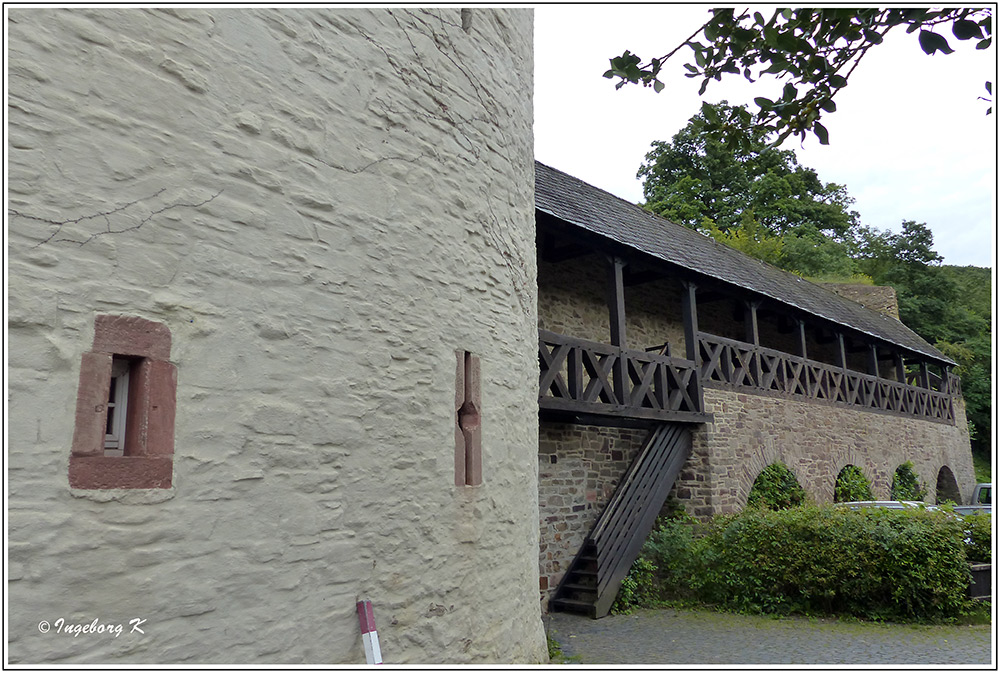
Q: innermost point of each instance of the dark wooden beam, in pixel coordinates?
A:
(616, 301)
(752, 336)
(900, 367)
(750, 322)
(803, 351)
(616, 313)
(873, 359)
(689, 314)
(841, 351)
(925, 375)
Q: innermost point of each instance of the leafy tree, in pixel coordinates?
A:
(761, 201)
(696, 176)
(814, 50)
(851, 485)
(750, 238)
(906, 484)
(947, 306)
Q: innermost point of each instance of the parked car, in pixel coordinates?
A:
(982, 495)
(969, 510)
(887, 504)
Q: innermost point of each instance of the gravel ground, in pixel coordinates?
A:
(677, 637)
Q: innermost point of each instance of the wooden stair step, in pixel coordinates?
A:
(573, 586)
(570, 605)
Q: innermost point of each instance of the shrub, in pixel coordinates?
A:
(638, 589)
(665, 566)
(871, 563)
(906, 484)
(979, 538)
(851, 485)
(776, 488)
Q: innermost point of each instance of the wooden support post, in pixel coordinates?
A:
(925, 375)
(841, 351)
(689, 309)
(752, 337)
(900, 368)
(802, 339)
(616, 301)
(842, 363)
(616, 313)
(873, 360)
(750, 322)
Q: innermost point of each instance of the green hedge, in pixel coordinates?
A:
(870, 563)
(979, 536)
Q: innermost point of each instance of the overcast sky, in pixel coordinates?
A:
(909, 138)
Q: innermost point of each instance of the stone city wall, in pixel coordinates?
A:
(321, 206)
(748, 432)
(816, 441)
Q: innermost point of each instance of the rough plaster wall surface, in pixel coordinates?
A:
(322, 206)
(816, 441)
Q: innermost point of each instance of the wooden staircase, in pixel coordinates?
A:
(591, 584)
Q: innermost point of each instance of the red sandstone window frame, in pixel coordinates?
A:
(148, 439)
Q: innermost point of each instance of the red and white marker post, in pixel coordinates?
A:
(369, 636)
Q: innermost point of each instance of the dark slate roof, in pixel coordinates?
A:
(594, 210)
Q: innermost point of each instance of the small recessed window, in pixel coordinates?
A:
(114, 433)
(125, 407)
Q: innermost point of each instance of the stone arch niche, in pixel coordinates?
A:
(867, 474)
(947, 487)
(908, 479)
(794, 490)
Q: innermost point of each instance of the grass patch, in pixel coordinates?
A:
(556, 655)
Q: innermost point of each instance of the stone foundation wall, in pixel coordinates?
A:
(816, 442)
(579, 467)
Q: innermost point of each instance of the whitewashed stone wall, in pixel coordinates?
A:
(322, 206)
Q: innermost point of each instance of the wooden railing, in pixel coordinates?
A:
(743, 365)
(583, 376)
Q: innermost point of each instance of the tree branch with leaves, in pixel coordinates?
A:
(815, 50)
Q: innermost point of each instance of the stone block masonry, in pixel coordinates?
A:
(579, 468)
(816, 441)
(321, 206)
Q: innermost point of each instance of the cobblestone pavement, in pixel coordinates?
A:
(678, 637)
